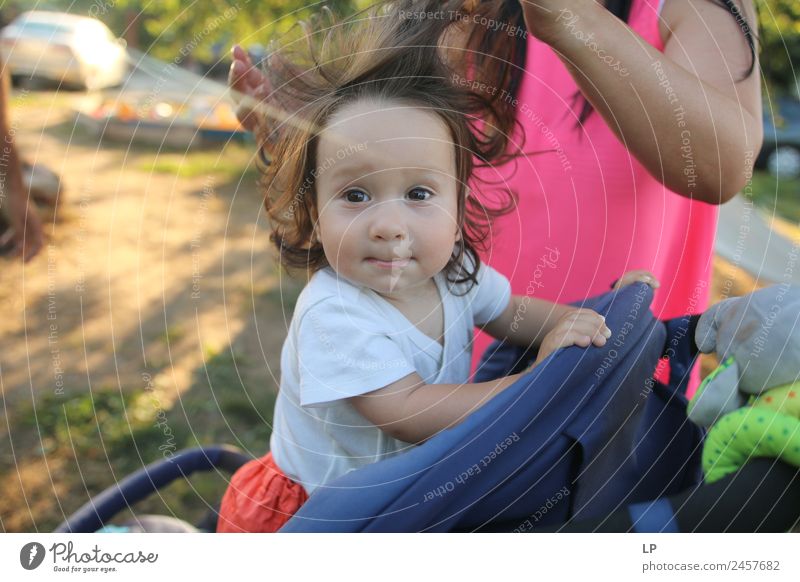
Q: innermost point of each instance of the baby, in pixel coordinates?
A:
(368, 192)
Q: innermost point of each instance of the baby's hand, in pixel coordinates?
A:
(579, 327)
(641, 276)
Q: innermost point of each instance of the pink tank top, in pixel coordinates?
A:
(588, 211)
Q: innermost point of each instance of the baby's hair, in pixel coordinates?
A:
(391, 51)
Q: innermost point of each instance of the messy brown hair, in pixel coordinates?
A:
(393, 50)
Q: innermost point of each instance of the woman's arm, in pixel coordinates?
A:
(684, 114)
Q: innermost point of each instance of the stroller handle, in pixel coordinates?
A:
(94, 513)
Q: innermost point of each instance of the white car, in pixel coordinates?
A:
(75, 50)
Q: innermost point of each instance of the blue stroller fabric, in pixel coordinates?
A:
(586, 433)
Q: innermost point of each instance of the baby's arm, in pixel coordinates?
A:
(527, 321)
(412, 411)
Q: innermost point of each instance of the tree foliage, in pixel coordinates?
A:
(779, 24)
(206, 29)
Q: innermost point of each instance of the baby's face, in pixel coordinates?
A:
(387, 196)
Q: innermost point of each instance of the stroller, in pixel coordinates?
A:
(587, 441)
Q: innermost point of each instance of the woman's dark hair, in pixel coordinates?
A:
(387, 52)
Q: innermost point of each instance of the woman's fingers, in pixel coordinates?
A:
(246, 77)
(242, 79)
(249, 87)
(239, 53)
(239, 71)
(641, 276)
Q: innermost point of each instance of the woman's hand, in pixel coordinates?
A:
(640, 276)
(579, 327)
(249, 87)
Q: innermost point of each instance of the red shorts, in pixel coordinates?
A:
(260, 498)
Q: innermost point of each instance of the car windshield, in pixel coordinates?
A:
(789, 108)
(44, 29)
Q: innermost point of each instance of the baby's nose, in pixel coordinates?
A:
(388, 226)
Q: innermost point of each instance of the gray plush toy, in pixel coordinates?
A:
(758, 336)
(753, 398)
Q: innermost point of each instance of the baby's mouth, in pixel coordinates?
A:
(390, 263)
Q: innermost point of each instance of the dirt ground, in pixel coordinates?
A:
(152, 320)
(145, 278)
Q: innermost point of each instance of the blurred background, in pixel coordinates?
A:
(153, 317)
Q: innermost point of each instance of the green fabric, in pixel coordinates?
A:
(785, 399)
(708, 379)
(717, 396)
(753, 431)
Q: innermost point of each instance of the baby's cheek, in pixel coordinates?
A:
(435, 256)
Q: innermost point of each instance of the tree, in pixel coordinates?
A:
(208, 28)
(779, 24)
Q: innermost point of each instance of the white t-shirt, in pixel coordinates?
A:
(345, 341)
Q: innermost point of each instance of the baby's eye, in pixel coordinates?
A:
(356, 196)
(420, 194)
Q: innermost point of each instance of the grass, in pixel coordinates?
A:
(102, 423)
(230, 163)
(22, 97)
(781, 196)
(172, 334)
(105, 434)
